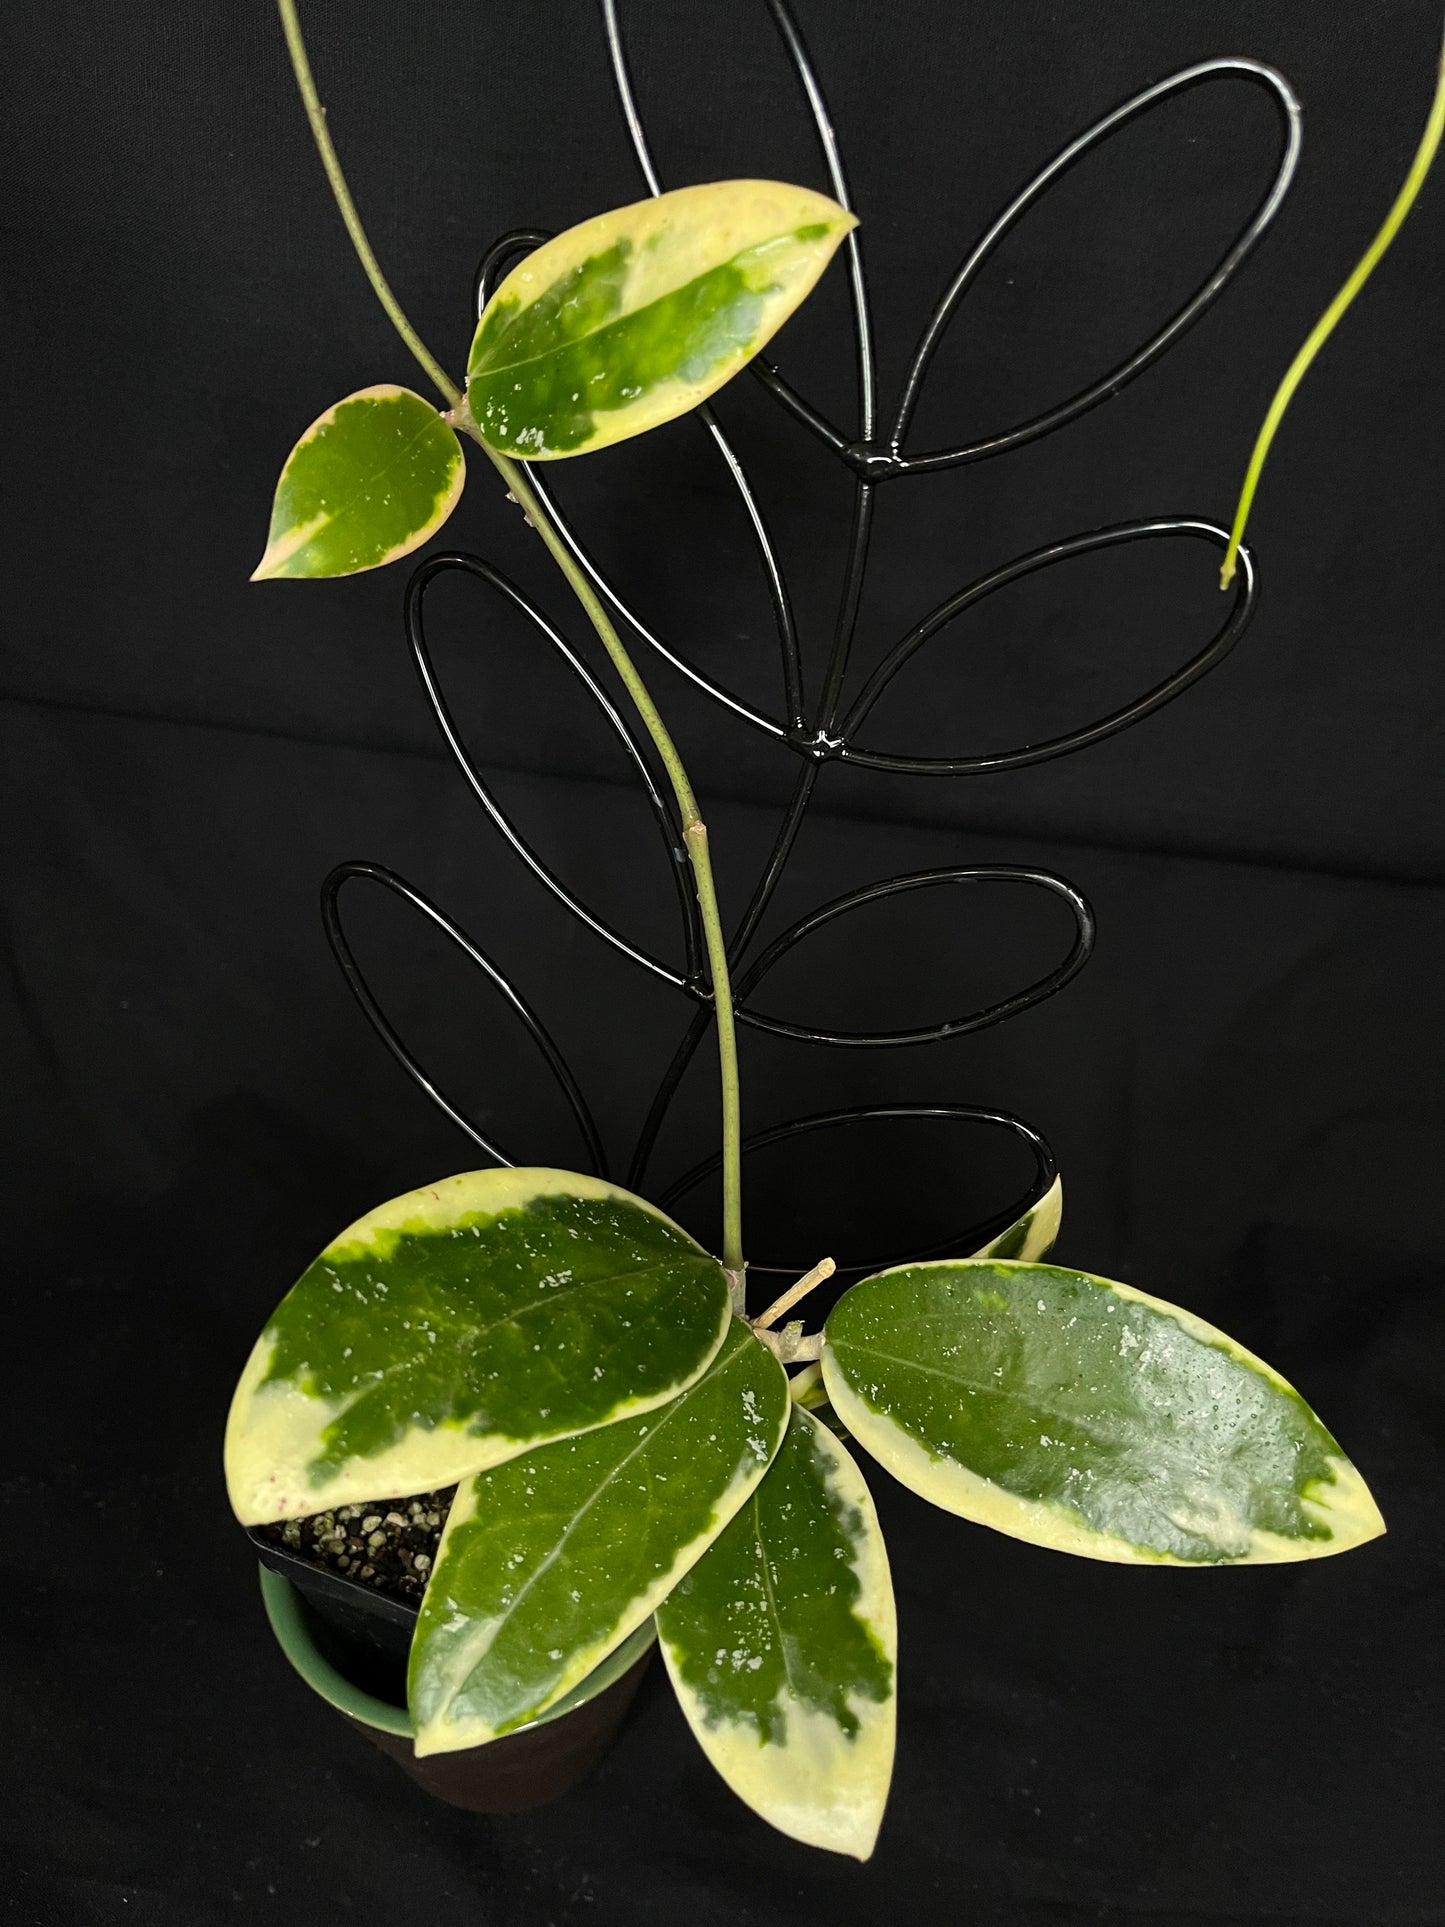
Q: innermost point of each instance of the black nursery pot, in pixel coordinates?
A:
(350, 1644)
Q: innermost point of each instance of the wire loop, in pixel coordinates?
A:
(814, 734)
(360, 988)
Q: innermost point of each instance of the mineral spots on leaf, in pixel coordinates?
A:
(1086, 1416)
(369, 482)
(633, 318)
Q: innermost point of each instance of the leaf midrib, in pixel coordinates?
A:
(349, 505)
(473, 1335)
(617, 1470)
(476, 1333)
(985, 1385)
(590, 334)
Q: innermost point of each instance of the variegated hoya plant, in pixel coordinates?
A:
(627, 1443)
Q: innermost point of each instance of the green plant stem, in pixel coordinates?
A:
(1325, 326)
(694, 832)
(316, 114)
(693, 828)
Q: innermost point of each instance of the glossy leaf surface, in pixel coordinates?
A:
(782, 1645)
(548, 1562)
(368, 482)
(1087, 1416)
(636, 316)
(1034, 1235)
(461, 1324)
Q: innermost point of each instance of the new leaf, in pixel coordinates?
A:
(636, 316)
(367, 483)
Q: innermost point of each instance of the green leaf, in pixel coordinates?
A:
(460, 1325)
(1034, 1235)
(782, 1644)
(1087, 1416)
(638, 315)
(548, 1562)
(367, 483)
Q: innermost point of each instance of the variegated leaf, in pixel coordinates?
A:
(1034, 1235)
(1087, 1416)
(636, 316)
(806, 1388)
(367, 483)
(782, 1644)
(548, 1562)
(460, 1325)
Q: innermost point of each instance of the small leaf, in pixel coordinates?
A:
(782, 1644)
(368, 482)
(636, 316)
(548, 1562)
(460, 1325)
(1034, 1235)
(1087, 1416)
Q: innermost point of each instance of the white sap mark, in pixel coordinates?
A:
(1208, 1515)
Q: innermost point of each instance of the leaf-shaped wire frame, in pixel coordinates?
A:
(817, 733)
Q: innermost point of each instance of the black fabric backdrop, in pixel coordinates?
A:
(1243, 1088)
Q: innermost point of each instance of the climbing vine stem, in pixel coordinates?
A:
(693, 828)
(1325, 326)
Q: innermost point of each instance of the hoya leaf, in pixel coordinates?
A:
(782, 1644)
(460, 1325)
(367, 483)
(548, 1562)
(638, 315)
(806, 1388)
(1034, 1235)
(1087, 1416)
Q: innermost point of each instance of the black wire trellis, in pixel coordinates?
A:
(823, 731)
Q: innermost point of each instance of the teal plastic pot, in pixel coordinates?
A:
(536, 1764)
